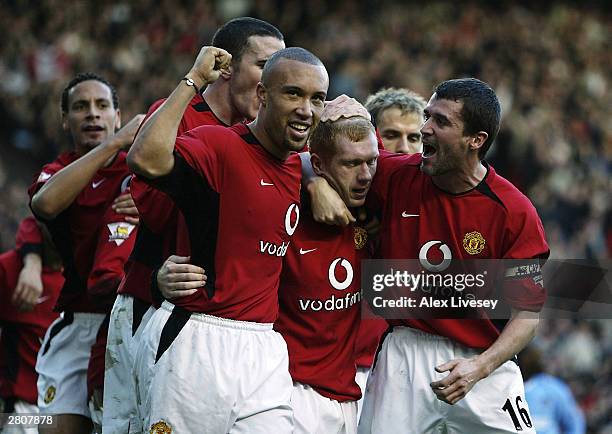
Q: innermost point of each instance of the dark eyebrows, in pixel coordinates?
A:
(291, 89)
(440, 118)
(86, 101)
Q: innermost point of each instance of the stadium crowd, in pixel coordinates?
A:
(550, 66)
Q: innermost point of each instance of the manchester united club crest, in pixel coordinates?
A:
(361, 237)
(49, 394)
(473, 242)
(160, 427)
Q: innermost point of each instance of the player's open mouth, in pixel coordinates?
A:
(359, 193)
(428, 150)
(298, 127)
(93, 128)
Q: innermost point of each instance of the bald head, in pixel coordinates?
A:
(297, 54)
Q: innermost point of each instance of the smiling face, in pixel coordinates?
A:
(445, 147)
(247, 73)
(292, 103)
(91, 117)
(400, 131)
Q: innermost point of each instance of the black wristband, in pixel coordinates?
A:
(191, 83)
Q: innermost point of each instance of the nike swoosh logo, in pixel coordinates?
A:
(264, 183)
(303, 252)
(97, 184)
(405, 214)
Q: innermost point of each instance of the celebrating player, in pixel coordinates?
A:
(455, 374)
(398, 116)
(238, 189)
(162, 231)
(70, 196)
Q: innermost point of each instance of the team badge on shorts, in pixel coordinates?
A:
(473, 242)
(160, 427)
(49, 394)
(361, 237)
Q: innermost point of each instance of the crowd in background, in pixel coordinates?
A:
(551, 66)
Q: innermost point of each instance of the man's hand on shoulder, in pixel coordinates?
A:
(124, 138)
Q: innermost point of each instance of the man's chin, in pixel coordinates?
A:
(427, 169)
(292, 145)
(355, 203)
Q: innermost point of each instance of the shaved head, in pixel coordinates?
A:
(292, 53)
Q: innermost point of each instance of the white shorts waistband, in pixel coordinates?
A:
(222, 322)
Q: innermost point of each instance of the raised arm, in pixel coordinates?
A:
(64, 186)
(151, 155)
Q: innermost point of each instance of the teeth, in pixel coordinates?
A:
(299, 127)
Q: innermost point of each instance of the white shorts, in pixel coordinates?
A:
(21, 408)
(361, 378)
(128, 319)
(314, 413)
(197, 373)
(62, 363)
(399, 399)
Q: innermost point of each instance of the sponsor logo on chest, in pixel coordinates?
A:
(292, 218)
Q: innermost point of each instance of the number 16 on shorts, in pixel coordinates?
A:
(516, 409)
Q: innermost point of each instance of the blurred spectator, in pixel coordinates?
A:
(552, 407)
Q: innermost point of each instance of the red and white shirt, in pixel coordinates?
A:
(495, 215)
(241, 205)
(320, 301)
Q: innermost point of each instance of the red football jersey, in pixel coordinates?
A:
(162, 226)
(241, 205)
(419, 220)
(320, 301)
(115, 243)
(75, 231)
(28, 238)
(23, 332)
(368, 338)
(95, 368)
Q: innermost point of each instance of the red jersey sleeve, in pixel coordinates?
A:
(198, 156)
(29, 237)
(154, 207)
(387, 165)
(115, 243)
(527, 251)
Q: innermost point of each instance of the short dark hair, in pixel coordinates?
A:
(234, 35)
(324, 136)
(481, 110)
(292, 53)
(86, 76)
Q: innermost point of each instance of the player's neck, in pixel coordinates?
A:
(260, 133)
(462, 179)
(217, 96)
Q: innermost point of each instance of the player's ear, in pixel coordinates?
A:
(117, 120)
(65, 125)
(261, 93)
(478, 140)
(226, 74)
(317, 164)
